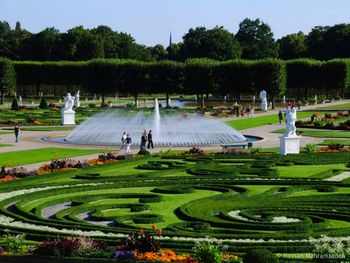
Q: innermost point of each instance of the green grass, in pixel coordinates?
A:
(47, 128)
(5, 145)
(302, 171)
(246, 123)
(41, 155)
(332, 141)
(344, 106)
(319, 133)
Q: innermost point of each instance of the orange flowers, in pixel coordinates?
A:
(165, 256)
(7, 178)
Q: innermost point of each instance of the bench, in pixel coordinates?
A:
(227, 147)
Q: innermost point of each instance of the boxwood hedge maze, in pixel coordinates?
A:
(247, 200)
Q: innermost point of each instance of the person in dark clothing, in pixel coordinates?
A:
(127, 143)
(17, 131)
(150, 140)
(280, 117)
(143, 141)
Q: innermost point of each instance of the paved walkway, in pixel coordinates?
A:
(33, 139)
(276, 110)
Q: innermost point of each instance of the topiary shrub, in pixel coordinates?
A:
(326, 188)
(208, 252)
(144, 152)
(43, 103)
(92, 105)
(14, 105)
(260, 256)
(310, 148)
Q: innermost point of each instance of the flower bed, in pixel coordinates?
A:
(70, 164)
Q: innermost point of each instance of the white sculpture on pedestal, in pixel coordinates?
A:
(67, 113)
(290, 141)
(77, 99)
(291, 116)
(263, 96)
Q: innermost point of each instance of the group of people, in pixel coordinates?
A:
(242, 111)
(126, 141)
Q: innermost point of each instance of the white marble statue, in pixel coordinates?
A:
(284, 99)
(291, 116)
(69, 103)
(20, 100)
(263, 98)
(77, 99)
(262, 95)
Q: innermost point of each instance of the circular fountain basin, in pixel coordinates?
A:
(61, 139)
(168, 129)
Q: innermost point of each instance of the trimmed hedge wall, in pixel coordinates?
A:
(300, 78)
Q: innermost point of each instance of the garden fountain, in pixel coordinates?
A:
(169, 129)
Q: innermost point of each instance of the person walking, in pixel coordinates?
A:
(127, 143)
(123, 140)
(150, 140)
(280, 116)
(17, 132)
(143, 141)
(299, 104)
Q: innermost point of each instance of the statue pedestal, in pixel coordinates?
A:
(67, 117)
(289, 145)
(263, 106)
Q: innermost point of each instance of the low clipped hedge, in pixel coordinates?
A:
(174, 189)
(147, 219)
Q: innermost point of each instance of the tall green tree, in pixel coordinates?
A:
(42, 46)
(7, 78)
(256, 40)
(81, 44)
(329, 42)
(292, 46)
(158, 52)
(216, 43)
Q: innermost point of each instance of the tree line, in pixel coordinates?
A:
(253, 40)
(299, 78)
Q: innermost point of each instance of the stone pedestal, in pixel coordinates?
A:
(67, 117)
(289, 145)
(263, 106)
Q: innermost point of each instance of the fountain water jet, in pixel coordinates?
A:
(169, 129)
(156, 121)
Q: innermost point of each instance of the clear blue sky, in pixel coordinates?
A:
(150, 21)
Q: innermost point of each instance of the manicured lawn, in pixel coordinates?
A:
(319, 133)
(345, 106)
(302, 171)
(41, 155)
(48, 128)
(43, 117)
(332, 141)
(246, 123)
(5, 145)
(180, 193)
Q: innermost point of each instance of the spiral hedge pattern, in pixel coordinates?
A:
(245, 200)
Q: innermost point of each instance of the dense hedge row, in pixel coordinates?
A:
(299, 78)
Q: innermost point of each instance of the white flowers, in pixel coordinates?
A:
(235, 214)
(4, 196)
(284, 219)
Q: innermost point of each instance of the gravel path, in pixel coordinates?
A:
(86, 216)
(50, 211)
